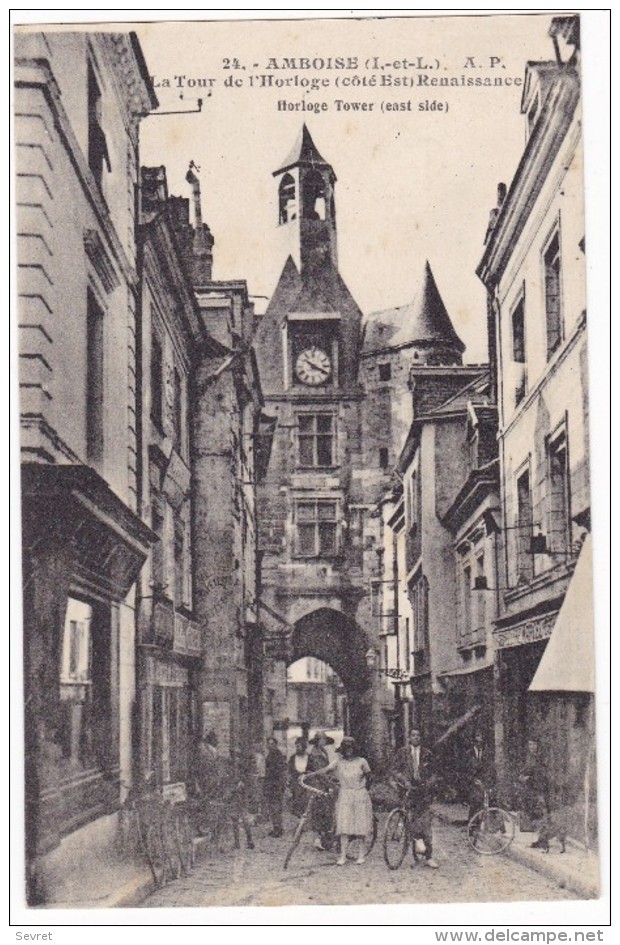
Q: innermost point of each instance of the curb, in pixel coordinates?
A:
(584, 887)
(135, 889)
(133, 893)
(144, 884)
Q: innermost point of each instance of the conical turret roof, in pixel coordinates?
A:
(423, 321)
(305, 153)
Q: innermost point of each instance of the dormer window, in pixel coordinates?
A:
(288, 199)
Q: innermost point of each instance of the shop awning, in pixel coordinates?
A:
(465, 670)
(567, 665)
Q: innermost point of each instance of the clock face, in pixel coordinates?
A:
(313, 366)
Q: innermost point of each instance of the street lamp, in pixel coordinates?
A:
(372, 659)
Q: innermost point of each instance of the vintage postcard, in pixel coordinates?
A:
(305, 463)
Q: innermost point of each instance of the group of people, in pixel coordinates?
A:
(353, 807)
(221, 785)
(412, 773)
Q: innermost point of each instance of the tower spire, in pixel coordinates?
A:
(422, 325)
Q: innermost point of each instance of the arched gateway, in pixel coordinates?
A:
(334, 638)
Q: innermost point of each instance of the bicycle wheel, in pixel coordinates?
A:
(396, 838)
(156, 854)
(371, 837)
(299, 829)
(171, 846)
(218, 827)
(185, 841)
(490, 831)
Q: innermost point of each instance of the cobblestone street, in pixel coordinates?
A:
(256, 877)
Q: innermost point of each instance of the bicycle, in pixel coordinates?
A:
(369, 840)
(157, 825)
(185, 839)
(400, 831)
(491, 829)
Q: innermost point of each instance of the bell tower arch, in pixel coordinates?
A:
(306, 206)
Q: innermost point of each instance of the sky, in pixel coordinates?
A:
(411, 185)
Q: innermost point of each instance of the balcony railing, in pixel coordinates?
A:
(174, 631)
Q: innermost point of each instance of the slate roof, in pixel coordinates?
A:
(477, 394)
(305, 153)
(314, 292)
(423, 321)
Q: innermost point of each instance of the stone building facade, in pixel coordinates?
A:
(231, 437)
(407, 363)
(78, 101)
(534, 269)
(431, 465)
(440, 543)
(169, 640)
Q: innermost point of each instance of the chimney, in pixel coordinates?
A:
(501, 196)
(202, 250)
(154, 190)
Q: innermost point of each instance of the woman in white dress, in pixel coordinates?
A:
(353, 805)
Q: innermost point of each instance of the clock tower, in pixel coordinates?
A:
(309, 338)
(313, 521)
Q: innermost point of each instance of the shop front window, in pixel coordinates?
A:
(171, 733)
(84, 684)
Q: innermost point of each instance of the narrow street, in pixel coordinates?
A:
(256, 877)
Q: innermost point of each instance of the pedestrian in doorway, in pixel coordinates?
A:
(353, 805)
(534, 788)
(298, 765)
(210, 779)
(208, 770)
(323, 809)
(258, 789)
(412, 772)
(274, 786)
(238, 799)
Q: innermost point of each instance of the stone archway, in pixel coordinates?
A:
(334, 638)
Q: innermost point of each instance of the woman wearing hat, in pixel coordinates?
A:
(353, 806)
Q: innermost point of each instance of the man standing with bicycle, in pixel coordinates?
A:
(480, 773)
(411, 771)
